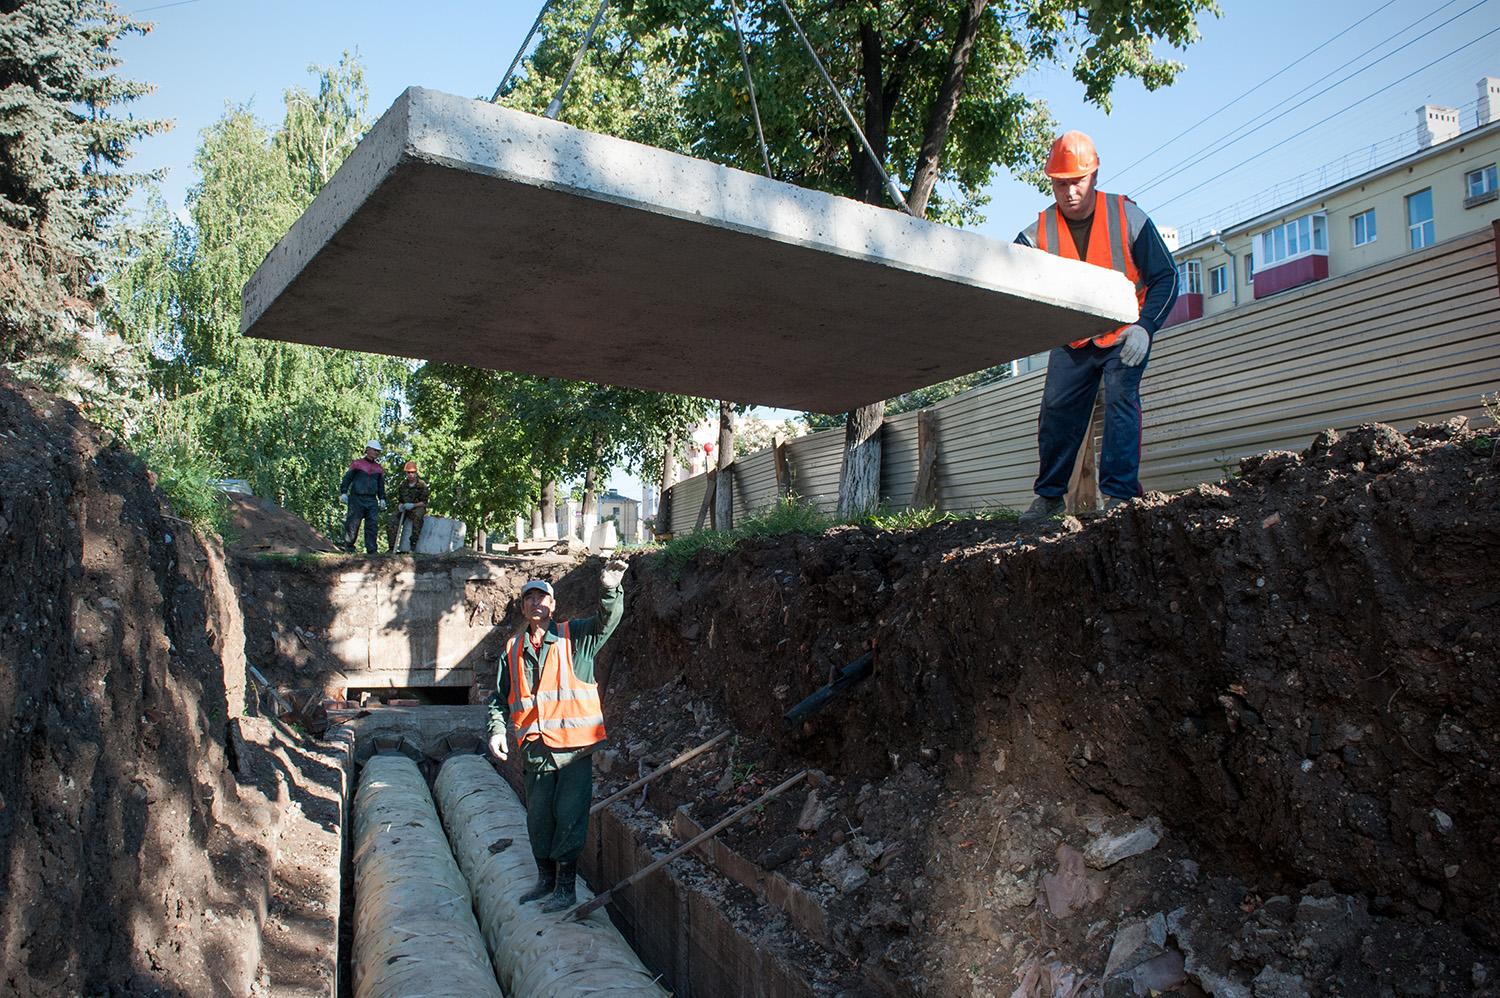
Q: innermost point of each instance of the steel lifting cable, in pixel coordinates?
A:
(554, 108)
(546, 5)
(890, 185)
(760, 134)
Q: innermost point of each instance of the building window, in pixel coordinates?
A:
(1479, 186)
(1249, 268)
(1190, 278)
(1218, 280)
(1364, 227)
(1419, 219)
(1299, 237)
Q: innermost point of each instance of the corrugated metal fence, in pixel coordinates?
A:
(1408, 340)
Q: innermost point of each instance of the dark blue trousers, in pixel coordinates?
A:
(361, 509)
(1073, 379)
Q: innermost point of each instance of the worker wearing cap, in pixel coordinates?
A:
(411, 505)
(547, 695)
(363, 491)
(1106, 230)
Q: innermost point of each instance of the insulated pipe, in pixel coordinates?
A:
(535, 954)
(414, 929)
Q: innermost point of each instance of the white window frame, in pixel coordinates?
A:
(1305, 235)
(1486, 177)
(1427, 227)
(1218, 279)
(1190, 277)
(1371, 229)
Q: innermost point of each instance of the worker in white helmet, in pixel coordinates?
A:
(363, 492)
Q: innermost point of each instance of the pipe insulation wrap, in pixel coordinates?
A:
(535, 954)
(414, 929)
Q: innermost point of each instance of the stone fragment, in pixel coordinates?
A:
(843, 870)
(814, 813)
(1134, 945)
(1071, 887)
(1107, 850)
(1272, 983)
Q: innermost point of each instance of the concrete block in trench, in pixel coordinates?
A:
(465, 232)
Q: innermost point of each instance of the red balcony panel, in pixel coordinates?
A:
(1189, 306)
(1292, 274)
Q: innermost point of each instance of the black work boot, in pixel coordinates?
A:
(565, 896)
(546, 880)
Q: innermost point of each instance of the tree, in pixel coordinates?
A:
(285, 416)
(62, 185)
(936, 87)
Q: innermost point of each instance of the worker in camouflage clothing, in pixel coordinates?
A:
(411, 504)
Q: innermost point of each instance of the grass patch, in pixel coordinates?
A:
(793, 514)
(185, 474)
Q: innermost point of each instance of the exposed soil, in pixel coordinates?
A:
(259, 526)
(132, 859)
(1289, 678)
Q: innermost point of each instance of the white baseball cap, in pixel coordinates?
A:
(541, 584)
(374, 445)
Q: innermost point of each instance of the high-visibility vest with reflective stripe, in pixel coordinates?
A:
(562, 710)
(1109, 247)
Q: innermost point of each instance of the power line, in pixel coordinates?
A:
(1324, 121)
(1222, 144)
(160, 6)
(1247, 93)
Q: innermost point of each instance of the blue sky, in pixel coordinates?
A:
(206, 54)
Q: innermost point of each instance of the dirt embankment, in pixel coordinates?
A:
(1294, 673)
(129, 863)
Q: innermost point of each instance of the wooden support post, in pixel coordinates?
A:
(706, 510)
(664, 514)
(724, 490)
(1083, 486)
(925, 492)
(600, 900)
(783, 465)
(656, 774)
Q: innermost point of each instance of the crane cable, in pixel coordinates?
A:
(760, 133)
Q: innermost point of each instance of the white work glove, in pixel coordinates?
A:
(498, 748)
(343, 498)
(380, 503)
(1133, 346)
(613, 574)
(407, 507)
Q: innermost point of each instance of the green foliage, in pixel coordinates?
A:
(919, 399)
(286, 417)
(186, 475)
(1491, 405)
(62, 187)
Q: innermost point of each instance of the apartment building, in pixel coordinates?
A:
(1445, 189)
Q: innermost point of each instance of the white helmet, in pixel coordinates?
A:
(374, 445)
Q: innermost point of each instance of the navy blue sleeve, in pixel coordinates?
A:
(344, 485)
(1159, 272)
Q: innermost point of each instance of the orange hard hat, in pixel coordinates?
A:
(1072, 156)
(409, 466)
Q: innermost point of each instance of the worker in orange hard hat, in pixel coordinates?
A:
(411, 507)
(1106, 230)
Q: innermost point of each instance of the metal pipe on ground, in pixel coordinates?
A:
(414, 928)
(535, 954)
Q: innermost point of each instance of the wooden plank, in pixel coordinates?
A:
(706, 510)
(925, 493)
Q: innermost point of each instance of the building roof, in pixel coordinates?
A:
(615, 497)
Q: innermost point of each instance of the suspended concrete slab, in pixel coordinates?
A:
(465, 232)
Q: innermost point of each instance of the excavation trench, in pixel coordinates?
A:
(437, 856)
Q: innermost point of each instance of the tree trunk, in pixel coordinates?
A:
(548, 506)
(669, 464)
(945, 107)
(859, 480)
(724, 494)
(591, 486)
(536, 523)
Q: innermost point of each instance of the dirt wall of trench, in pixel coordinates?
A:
(1295, 669)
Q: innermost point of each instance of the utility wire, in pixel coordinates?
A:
(555, 106)
(1214, 114)
(546, 4)
(1222, 144)
(1324, 121)
(890, 185)
(760, 133)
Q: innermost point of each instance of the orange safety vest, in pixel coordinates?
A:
(563, 711)
(1109, 247)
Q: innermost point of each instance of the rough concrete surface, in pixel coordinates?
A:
(465, 232)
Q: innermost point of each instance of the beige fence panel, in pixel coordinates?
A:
(1409, 340)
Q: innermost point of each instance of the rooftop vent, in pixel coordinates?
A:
(1435, 124)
